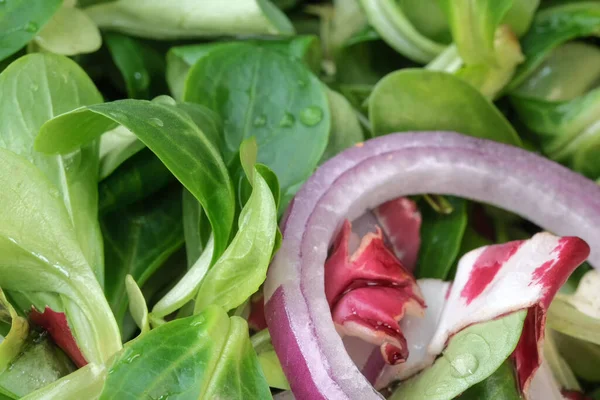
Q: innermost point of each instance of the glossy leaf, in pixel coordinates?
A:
(43, 86)
(435, 101)
(191, 18)
(138, 240)
(39, 252)
(141, 66)
(137, 304)
(552, 27)
(138, 177)
(180, 59)
(12, 342)
(390, 21)
(69, 32)
(86, 382)
(209, 356)
(345, 127)
(171, 134)
(196, 228)
(116, 146)
(566, 319)
(441, 238)
(471, 356)
(285, 108)
(242, 268)
(501, 384)
(21, 20)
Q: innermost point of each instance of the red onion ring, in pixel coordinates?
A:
(310, 350)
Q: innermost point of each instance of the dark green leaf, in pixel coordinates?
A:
(264, 94)
(345, 127)
(137, 241)
(432, 100)
(209, 356)
(501, 385)
(441, 237)
(172, 135)
(21, 20)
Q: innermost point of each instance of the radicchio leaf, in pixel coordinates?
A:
(369, 291)
(57, 326)
(256, 319)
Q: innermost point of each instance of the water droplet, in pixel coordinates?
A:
(287, 120)
(260, 120)
(137, 76)
(31, 27)
(311, 116)
(464, 365)
(199, 320)
(164, 99)
(156, 122)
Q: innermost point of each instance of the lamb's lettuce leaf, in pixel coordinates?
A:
(502, 384)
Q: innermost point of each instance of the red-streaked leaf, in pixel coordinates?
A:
(400, 220)
(370, 291)
(496, 280)
(57, 326)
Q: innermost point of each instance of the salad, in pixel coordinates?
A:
(299, 199)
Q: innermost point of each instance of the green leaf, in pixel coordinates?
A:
(390, 21)
(435, 101)
(196, 228)
(345, 127)
(137, 178)
(85, 383)
(138, 240)
(520, 15)
(264, 94)
(39, 252)
(42, 86)
(116, 146)
(566, 319)
(180, 59)
(21, 20)
(248, 154)
(560, 368)
(11, 343)
(502, 384)
(142, 67)
(209, 356)
(243, 266)
(441, 238)
(172, 135)
(191, 18)
(473, 25)
(69, 32)
(583, 357)
(550, 28)
(137, 304)
(39, 363)
(471, 356)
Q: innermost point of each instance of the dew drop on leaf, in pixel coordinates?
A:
(118, 116)
(464, 365)
(311, 116)
(287, 120)
(31, 27)
(164, 99)
(156, 122)
(260, 120)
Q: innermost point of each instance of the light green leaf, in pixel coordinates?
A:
(85, 383)
(69, 32)
(209, 356)
(116, 146)
(137, 305)
(180, 59)
(583, 357)
(21, 20)
(566, 319)
(191, 18)
(138, 240)
(172, 135)
(248, 154)
(271, 367)
(560, 369)
(390, 21)
(345, 127)
(441, 237)
(552, 27)
(473, 25)
(282, 104)
(471, 356)
(39, 252)
(243, 266)
(435, 101)
(11, 343)
(36, 88)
